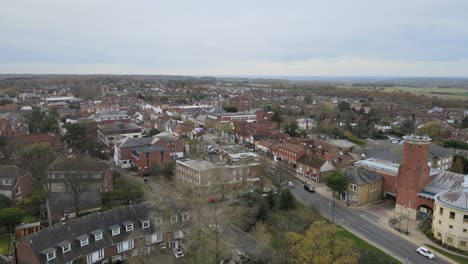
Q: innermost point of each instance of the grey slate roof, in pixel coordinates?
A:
(60, 202)
(47, 239)
(9, 172)
(442, 181)
(384, 150)
(81, 165)
(361, 176)
(136, 142)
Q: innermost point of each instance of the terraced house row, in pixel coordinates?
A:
(107, 237)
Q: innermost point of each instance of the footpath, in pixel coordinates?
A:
(384, 212)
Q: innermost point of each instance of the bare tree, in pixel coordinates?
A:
(37, 158)
(76, 187)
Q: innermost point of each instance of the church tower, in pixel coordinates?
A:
(413, 174)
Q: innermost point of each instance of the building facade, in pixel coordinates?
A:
(111, 236)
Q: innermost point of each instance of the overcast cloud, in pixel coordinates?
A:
(216, 37)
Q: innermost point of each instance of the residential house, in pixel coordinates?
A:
(313, 167)
(145, 159)
(15, 184)
(364, 187)
(65, 175)
(34, 138)
(288, 152)
(306, 123)
(111, 236)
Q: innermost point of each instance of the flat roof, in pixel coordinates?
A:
(379, 165)
(198, 164)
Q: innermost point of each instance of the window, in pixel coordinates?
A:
(450, 226)
(462, 243)
(185, 217)
(66, 248)
(352, 186)
(124, 246)
(50, 255)
(440, 222)
(97, 236)
(452, 215)
(145, 224)
(18, 191)
(465, 218)
(115, 231)
(158, 221)
(441, 211)
(464, 230)
(84, 242)
(95, 256)
(163, 245)
(129, 227)
(174, 219)
(154, 238)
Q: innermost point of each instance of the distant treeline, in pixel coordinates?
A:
(374, 84)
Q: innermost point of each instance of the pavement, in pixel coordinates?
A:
(365, 222)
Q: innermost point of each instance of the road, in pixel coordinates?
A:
(365, 225)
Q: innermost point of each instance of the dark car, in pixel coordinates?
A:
(309, 188)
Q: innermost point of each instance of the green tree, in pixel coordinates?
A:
(457, 166)
(464, 123)
(230, 109)
(407, 127)
(338, 183)
(168, 170)
(4, 201)
(308, 99)
(10, 217)
(287, 200)
(344, 106)
(77, 136)
(277, 116)
(291, 128)
(435, 130)
(319, 245)
(153, 131)
(49, 124)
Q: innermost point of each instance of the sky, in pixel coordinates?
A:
(235, 37)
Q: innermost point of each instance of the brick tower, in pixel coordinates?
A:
(413, 174)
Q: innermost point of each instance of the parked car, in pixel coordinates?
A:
(266, 190)
(425, 252)
(309, 188)
(178, 252)
(290, 184)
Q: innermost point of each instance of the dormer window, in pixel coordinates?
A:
(185, 217)
(84, 240)
(145, 224)
(65, 245)
(158, 221)
(49, 253)
(97, 234)
(174, 219)
(128, 226)
(115, 230)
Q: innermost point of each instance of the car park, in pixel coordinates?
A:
(309, 188)
(425, 252)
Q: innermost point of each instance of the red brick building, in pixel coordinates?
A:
(413, 175)
(241, 102)
(145, 159)
(288, 152)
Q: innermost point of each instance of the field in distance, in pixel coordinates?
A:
(445, 93)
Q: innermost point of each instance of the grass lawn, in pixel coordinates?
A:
(4, 244)
(369, 253)
(457, 258)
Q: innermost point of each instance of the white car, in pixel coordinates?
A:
(178, 252)
(290, 184)
(425, 252)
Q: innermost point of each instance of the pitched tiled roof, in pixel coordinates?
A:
(361, 176)
(49, 238)
(82, 165)
(312, 161)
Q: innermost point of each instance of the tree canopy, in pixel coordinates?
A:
(337, 181)
(319, 244)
